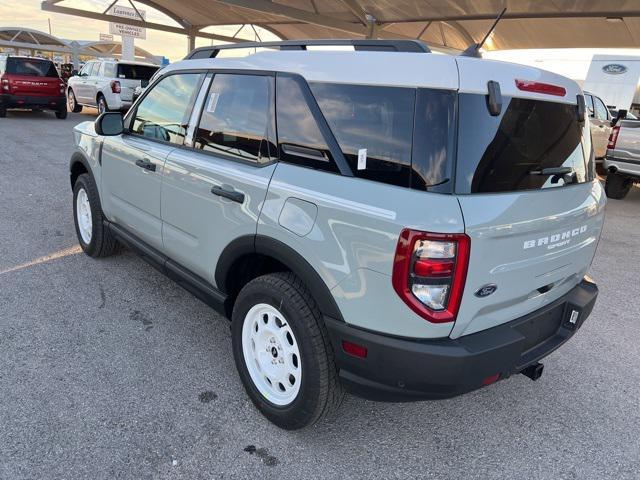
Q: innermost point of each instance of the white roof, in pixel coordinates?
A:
(400, 69)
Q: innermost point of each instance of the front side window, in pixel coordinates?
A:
(589, 101)
(373, 126)
(512, 151)
(93, 71)
(238, 117)
(163, 114)
(601, 109)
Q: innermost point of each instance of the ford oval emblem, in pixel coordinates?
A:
(614, 69)
(486, 290)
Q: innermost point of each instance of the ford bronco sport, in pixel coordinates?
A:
(31, 83)
(394, 223)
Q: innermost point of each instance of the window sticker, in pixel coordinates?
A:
(213, 102)
(362, 159)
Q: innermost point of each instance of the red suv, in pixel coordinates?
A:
(31, 83)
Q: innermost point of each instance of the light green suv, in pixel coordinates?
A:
(387, 221)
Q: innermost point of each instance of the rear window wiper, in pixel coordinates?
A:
(567, 174)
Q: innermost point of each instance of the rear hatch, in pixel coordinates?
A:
(131, 76)
(533, 228)
(32, 77)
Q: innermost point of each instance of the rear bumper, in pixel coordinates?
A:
(30, 101)
(398, 369)
(623, 165)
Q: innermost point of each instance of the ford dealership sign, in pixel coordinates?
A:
(614, 69)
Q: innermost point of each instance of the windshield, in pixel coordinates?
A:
(531, 145)
(32, 67)
(136, 72)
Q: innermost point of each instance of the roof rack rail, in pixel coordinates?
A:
(412, 46)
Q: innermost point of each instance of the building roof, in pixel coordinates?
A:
(445, 23)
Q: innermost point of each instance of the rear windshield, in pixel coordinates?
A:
(510, 152)
(136, 72)
(32, 67)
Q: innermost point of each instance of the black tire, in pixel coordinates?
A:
(617, 186)
(72, 103)
(101, 104)
(3, 112)
(320, 392)
(102, 242)
(61, 114)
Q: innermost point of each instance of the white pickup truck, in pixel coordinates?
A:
(622, 161)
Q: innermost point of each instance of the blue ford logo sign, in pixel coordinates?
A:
(486, 290)
(614, 69)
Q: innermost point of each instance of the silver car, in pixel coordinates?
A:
(409, 232)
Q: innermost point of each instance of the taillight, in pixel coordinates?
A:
(429, 272)
(613, 137)
(539, 87)
(4, 84)
(115, 86)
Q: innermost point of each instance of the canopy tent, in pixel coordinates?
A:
(447, 24)
(19, 38)
(113, 49)
(28, 39)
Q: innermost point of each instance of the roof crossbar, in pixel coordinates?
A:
(412, 46)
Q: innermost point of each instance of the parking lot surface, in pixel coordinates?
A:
(110, 370)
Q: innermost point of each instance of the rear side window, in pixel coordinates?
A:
(373, 126)
(136, 72)
(238, 117)
(509, 152)
(110, 70)
(31, 67)
(300, 139)
(163, 114)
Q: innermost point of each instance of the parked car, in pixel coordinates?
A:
(107, 84)
(412, 232)
(31, 83)
(600, 121)
(138, 91)
(628, 115)
(623, 157)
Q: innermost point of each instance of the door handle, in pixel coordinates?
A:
(146, 164)
(233, 195)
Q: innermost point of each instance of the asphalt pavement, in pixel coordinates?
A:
(109, 370)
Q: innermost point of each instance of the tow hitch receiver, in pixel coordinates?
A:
(534, 372)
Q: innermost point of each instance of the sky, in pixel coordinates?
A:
(573, 63)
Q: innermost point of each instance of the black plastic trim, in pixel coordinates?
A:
(401, 369)
(188, 280)
(284, 254)
(411, 46)
(323, 125)
(78, 157)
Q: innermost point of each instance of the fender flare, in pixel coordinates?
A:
(79, 157)
(270, 247)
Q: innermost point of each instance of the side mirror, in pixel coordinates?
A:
(109, 124)
(622, 114)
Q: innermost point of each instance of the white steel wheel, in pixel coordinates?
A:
(83, 214)
(271, 354)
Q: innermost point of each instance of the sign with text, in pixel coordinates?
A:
(127, 30)
(105, 37)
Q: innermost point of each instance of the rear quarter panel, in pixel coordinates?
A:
(351, 242)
